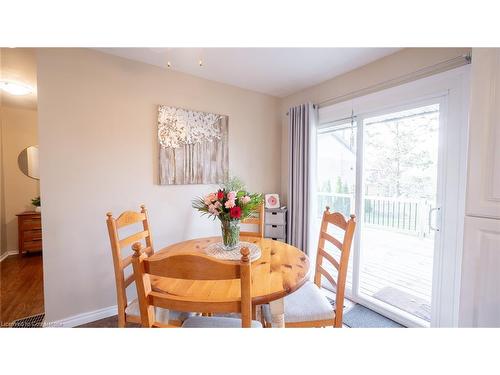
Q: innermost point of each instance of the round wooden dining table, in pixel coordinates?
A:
(280, 270)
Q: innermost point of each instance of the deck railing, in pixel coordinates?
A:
(398, 214)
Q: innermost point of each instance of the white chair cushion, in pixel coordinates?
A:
(216, 322)
(162, 315)
(306, 304)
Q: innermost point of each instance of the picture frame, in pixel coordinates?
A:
(193, 146)
(272, 200)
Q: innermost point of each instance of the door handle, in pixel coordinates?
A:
(430, 218)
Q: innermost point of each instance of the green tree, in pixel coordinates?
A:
(345, 188)
(338, 188)
(398, 157)
(326, 187)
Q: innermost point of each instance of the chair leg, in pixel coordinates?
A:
(121, 320)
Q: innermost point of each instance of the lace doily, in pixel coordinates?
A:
(216, 250)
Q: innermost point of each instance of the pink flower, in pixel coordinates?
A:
(218, 204)
(231, 196)
(212, 197)
(207, 200)
(245, 199)
(213, 210)
(230, 204)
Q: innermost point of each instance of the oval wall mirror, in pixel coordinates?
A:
(28, 162)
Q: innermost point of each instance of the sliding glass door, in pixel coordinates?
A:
(399, 197)
(392, 164)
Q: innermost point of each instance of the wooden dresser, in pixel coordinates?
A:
(30, 231)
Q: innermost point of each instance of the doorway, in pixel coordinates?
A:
(389, 163)
(21, 259)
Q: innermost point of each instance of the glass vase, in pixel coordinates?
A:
(230, 234)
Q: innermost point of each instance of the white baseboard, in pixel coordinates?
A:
(8, 254)
(83, 318)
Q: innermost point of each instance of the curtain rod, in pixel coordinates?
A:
(420, 73)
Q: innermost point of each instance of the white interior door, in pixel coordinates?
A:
(398, 163)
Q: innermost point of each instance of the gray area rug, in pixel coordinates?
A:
(405, 301)
(362, 317)
(359, 316)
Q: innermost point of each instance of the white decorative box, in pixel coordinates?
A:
(275, 223)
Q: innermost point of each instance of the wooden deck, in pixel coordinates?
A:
(396, 260)
(396, 269)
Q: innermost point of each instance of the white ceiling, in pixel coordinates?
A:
(274, 71)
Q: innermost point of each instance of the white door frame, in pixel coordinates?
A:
(450, 90)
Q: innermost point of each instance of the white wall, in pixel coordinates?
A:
(2, 196)
(98, 153)
(19, 130)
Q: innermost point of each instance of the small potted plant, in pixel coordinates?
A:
(231, 203)
(36, 202)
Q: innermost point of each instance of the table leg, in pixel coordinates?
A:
(277, 313)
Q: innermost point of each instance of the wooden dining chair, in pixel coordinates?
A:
(128, 312)
(193, 267)
(257, 220)
(308, 306)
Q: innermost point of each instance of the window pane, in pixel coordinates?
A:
(336, 180)
(399, 190)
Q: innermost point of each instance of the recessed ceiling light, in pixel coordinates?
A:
(15, 88)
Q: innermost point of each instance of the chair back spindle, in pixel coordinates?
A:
(120, 262)
(190, 267)
(341, 265)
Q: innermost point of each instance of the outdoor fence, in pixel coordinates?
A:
(403, 215)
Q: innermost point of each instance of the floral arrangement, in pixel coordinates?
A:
(230, 202)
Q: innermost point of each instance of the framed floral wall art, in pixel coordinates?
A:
(193, 146)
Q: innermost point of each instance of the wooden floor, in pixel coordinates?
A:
(21, 287)
(111, 322)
